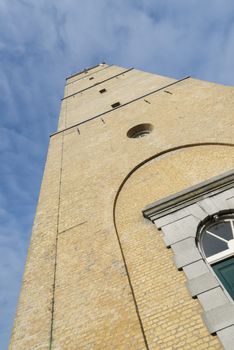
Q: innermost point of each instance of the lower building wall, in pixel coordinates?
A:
(171, 318)
(111, 283)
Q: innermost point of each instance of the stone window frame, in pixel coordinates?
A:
(178, 217)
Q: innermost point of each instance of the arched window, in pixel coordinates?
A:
(216, 242)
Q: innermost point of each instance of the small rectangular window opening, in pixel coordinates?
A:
(102, 91)
(116, 104)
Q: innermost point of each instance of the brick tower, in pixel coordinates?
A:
(131, 148)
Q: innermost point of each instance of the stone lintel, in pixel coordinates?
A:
(189, 196)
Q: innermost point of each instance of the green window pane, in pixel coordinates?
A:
(225, 272)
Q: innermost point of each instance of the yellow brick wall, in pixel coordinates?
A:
(32, 326)
(77, 291)
(124, 87)
(91, 78)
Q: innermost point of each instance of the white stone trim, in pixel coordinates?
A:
(178, 217)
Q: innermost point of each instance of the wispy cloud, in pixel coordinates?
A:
(41, 42)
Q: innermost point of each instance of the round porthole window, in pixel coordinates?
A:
(140, 130)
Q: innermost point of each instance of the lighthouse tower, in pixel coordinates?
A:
(133, 236)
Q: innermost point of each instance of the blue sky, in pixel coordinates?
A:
(42, 42)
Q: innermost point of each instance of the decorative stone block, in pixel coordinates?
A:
(220, 200)
(196, 269)
(219, 318)
(202, 283)
(213, 298)
(230, 202)
(180, 229)
(226, 336)
(209, 206)
(185, 252)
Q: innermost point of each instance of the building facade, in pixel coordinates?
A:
(131, 148)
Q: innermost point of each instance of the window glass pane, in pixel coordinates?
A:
(212, 245)
(222, 229)
(225, 271)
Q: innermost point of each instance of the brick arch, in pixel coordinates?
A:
(136, 238)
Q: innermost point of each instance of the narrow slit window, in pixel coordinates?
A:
(115, 105)
(91, 78)
(102, 91)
